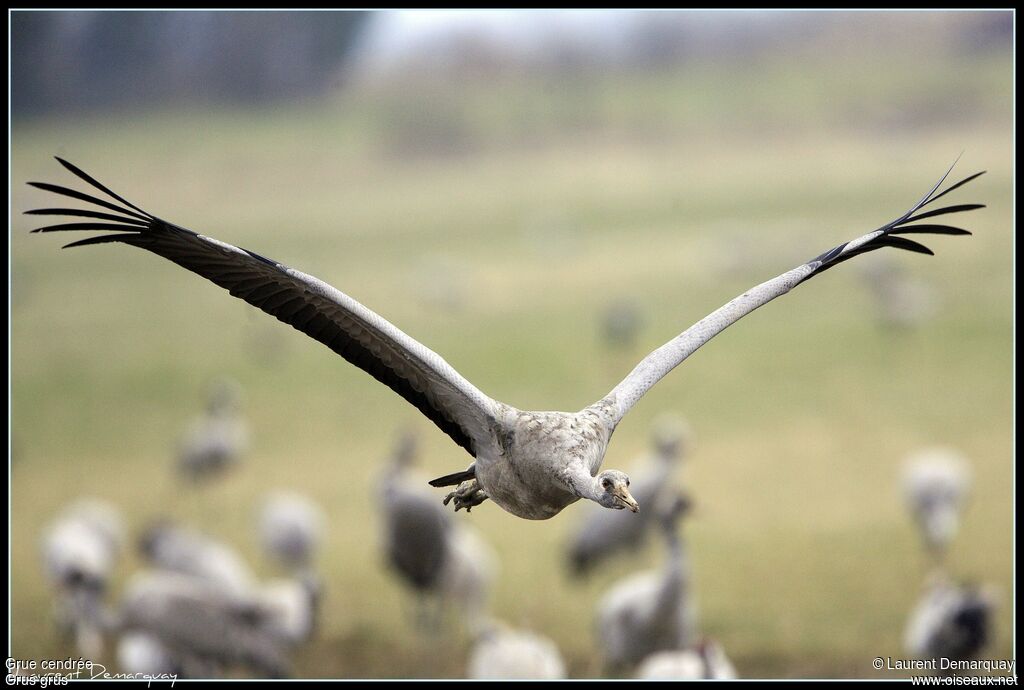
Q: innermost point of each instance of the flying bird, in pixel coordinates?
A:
(532, 464)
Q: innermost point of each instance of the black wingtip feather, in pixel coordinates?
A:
(959, 208)
(100, 239)
(85, 213)
(930, 229)
(949, 189)
(64, 191)
(890, 235)
(904, 243)
(87, 226)
(78, 172)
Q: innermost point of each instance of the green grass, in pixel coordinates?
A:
(805, 561)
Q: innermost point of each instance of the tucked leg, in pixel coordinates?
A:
(467, 495)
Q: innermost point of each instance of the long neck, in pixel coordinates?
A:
(580, 482)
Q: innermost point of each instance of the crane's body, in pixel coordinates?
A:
(532, 464)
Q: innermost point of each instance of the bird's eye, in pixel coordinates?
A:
(627, 482)
(606, 484)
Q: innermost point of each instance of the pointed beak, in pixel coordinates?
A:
(623, 498)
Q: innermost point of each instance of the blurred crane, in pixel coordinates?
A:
(621, 322)
(178, 549)
(936, 482)
(291, 528)
(217, 440)
(704, 661)
(80, 550)
(200, 627)
(500, 652)
(439, 560)
(950, 620)
(142, 654)
(650, 611)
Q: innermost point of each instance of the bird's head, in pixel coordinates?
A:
(613, 491)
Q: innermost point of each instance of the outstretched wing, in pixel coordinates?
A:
(653, 367)
(320, 311)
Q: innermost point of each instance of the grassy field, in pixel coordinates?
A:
(805, 561)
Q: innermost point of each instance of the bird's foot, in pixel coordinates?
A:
(467, 495)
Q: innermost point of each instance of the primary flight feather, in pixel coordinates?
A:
(532, 464)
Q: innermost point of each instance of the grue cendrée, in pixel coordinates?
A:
(706, 660)
(175, 548)
(215, 441)
(500, 652)
(650, 611)
(200, 626)
(951, 620)
(936, 482)
(291, 528)
(448, 562)
(532, 464)
(80, 550)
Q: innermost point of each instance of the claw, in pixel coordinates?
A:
(467, 495)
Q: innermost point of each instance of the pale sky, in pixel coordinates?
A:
(395, 33)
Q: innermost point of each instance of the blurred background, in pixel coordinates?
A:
(542, 197)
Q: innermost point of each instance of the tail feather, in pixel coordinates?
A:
(454, 478)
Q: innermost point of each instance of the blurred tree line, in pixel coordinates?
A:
(76, 60)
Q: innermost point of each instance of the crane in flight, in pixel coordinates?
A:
(532, 464)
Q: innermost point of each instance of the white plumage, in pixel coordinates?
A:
(183, 550)
(203, 627)
(291, 528)
(936, 483)
(467, 572)
(290, 608)
(142, 654)
(501, 652)
(704, 661)
(80, 550)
